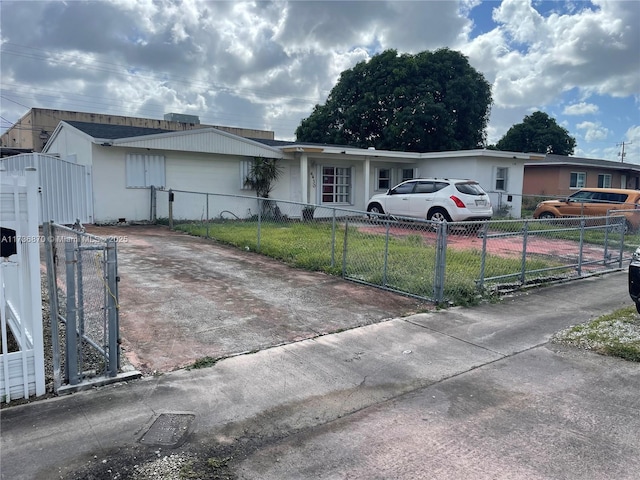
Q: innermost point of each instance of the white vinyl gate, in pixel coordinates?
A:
(22, 367)
(66, 187)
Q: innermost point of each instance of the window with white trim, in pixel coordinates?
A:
(336, 185)
(578, 180)
(501, 178)
(604, 180)
(383, 179)
(144, 171)
(245, 168)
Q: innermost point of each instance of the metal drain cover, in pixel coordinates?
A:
(168, 430)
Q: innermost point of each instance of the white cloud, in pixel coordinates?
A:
(593, 132)
(581, 108)
(266, 64)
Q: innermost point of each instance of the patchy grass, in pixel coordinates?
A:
(407, 265)
(203, 362)
(616, 334)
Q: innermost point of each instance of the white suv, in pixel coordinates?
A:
(438, 199)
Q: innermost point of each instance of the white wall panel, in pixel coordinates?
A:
(65, 186)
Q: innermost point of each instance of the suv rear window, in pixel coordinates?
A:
(470, 188)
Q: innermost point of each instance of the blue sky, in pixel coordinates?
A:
(266, 64)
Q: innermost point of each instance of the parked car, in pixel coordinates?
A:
(634, 279)
(438, 199)
(594, 202)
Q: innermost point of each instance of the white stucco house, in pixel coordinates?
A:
(126, 161)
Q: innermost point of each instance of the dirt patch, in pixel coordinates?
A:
(503, 246)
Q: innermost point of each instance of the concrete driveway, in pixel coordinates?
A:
(184, 298)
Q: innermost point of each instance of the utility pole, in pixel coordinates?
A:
(621, 154)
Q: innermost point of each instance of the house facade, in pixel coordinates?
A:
(126, 161)
(556, 175)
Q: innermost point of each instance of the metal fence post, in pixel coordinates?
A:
(441, 262)
(52, 285)
(260, 205)
(581, 246)
(333, 239)
(80, 302)
(153, 205)
(606, 238)
(344, 248)
(171, 198)
(483, 257)
(207, 235)
(71, 365)
(525, 236)
(112, 306)
(386, 255)
(621, 245)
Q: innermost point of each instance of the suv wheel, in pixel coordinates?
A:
(439, 215)
(375, 209)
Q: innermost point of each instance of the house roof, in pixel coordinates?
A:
(107, 131)
(557, 160)
(201, 140)
(288, 143)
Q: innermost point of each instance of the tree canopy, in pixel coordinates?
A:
(431, 101)
(538, 133)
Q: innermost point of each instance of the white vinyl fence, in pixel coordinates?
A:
(22, 353)
(66, 186)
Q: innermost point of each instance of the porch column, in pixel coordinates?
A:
(304, 177)
(367, 179)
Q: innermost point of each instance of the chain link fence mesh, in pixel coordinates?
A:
(458, 263)
(90, 298)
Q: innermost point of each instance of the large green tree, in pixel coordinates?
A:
(431, 101)
(538, 133)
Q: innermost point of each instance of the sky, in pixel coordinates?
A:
(265, 64)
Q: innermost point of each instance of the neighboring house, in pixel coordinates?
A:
(126, 161)
(557, 175)
(35, 127)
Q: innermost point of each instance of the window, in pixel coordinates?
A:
(384, 179)
(581, 196)
(407, 174)
(143, 171)
(604, 180)
(245, 168)
(501, 178)
(578, 180)
(336, 185)
(404, 188)
(425, 187)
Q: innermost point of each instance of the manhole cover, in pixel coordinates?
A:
(168, 430)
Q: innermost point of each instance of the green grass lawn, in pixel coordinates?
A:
(410, 260)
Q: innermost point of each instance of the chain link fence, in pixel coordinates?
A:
(456, 263)
(83, 296)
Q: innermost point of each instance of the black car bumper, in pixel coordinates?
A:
(634, 281)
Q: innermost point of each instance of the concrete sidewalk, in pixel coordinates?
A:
(304, 388)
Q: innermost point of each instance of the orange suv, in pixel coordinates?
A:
(595, 202)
